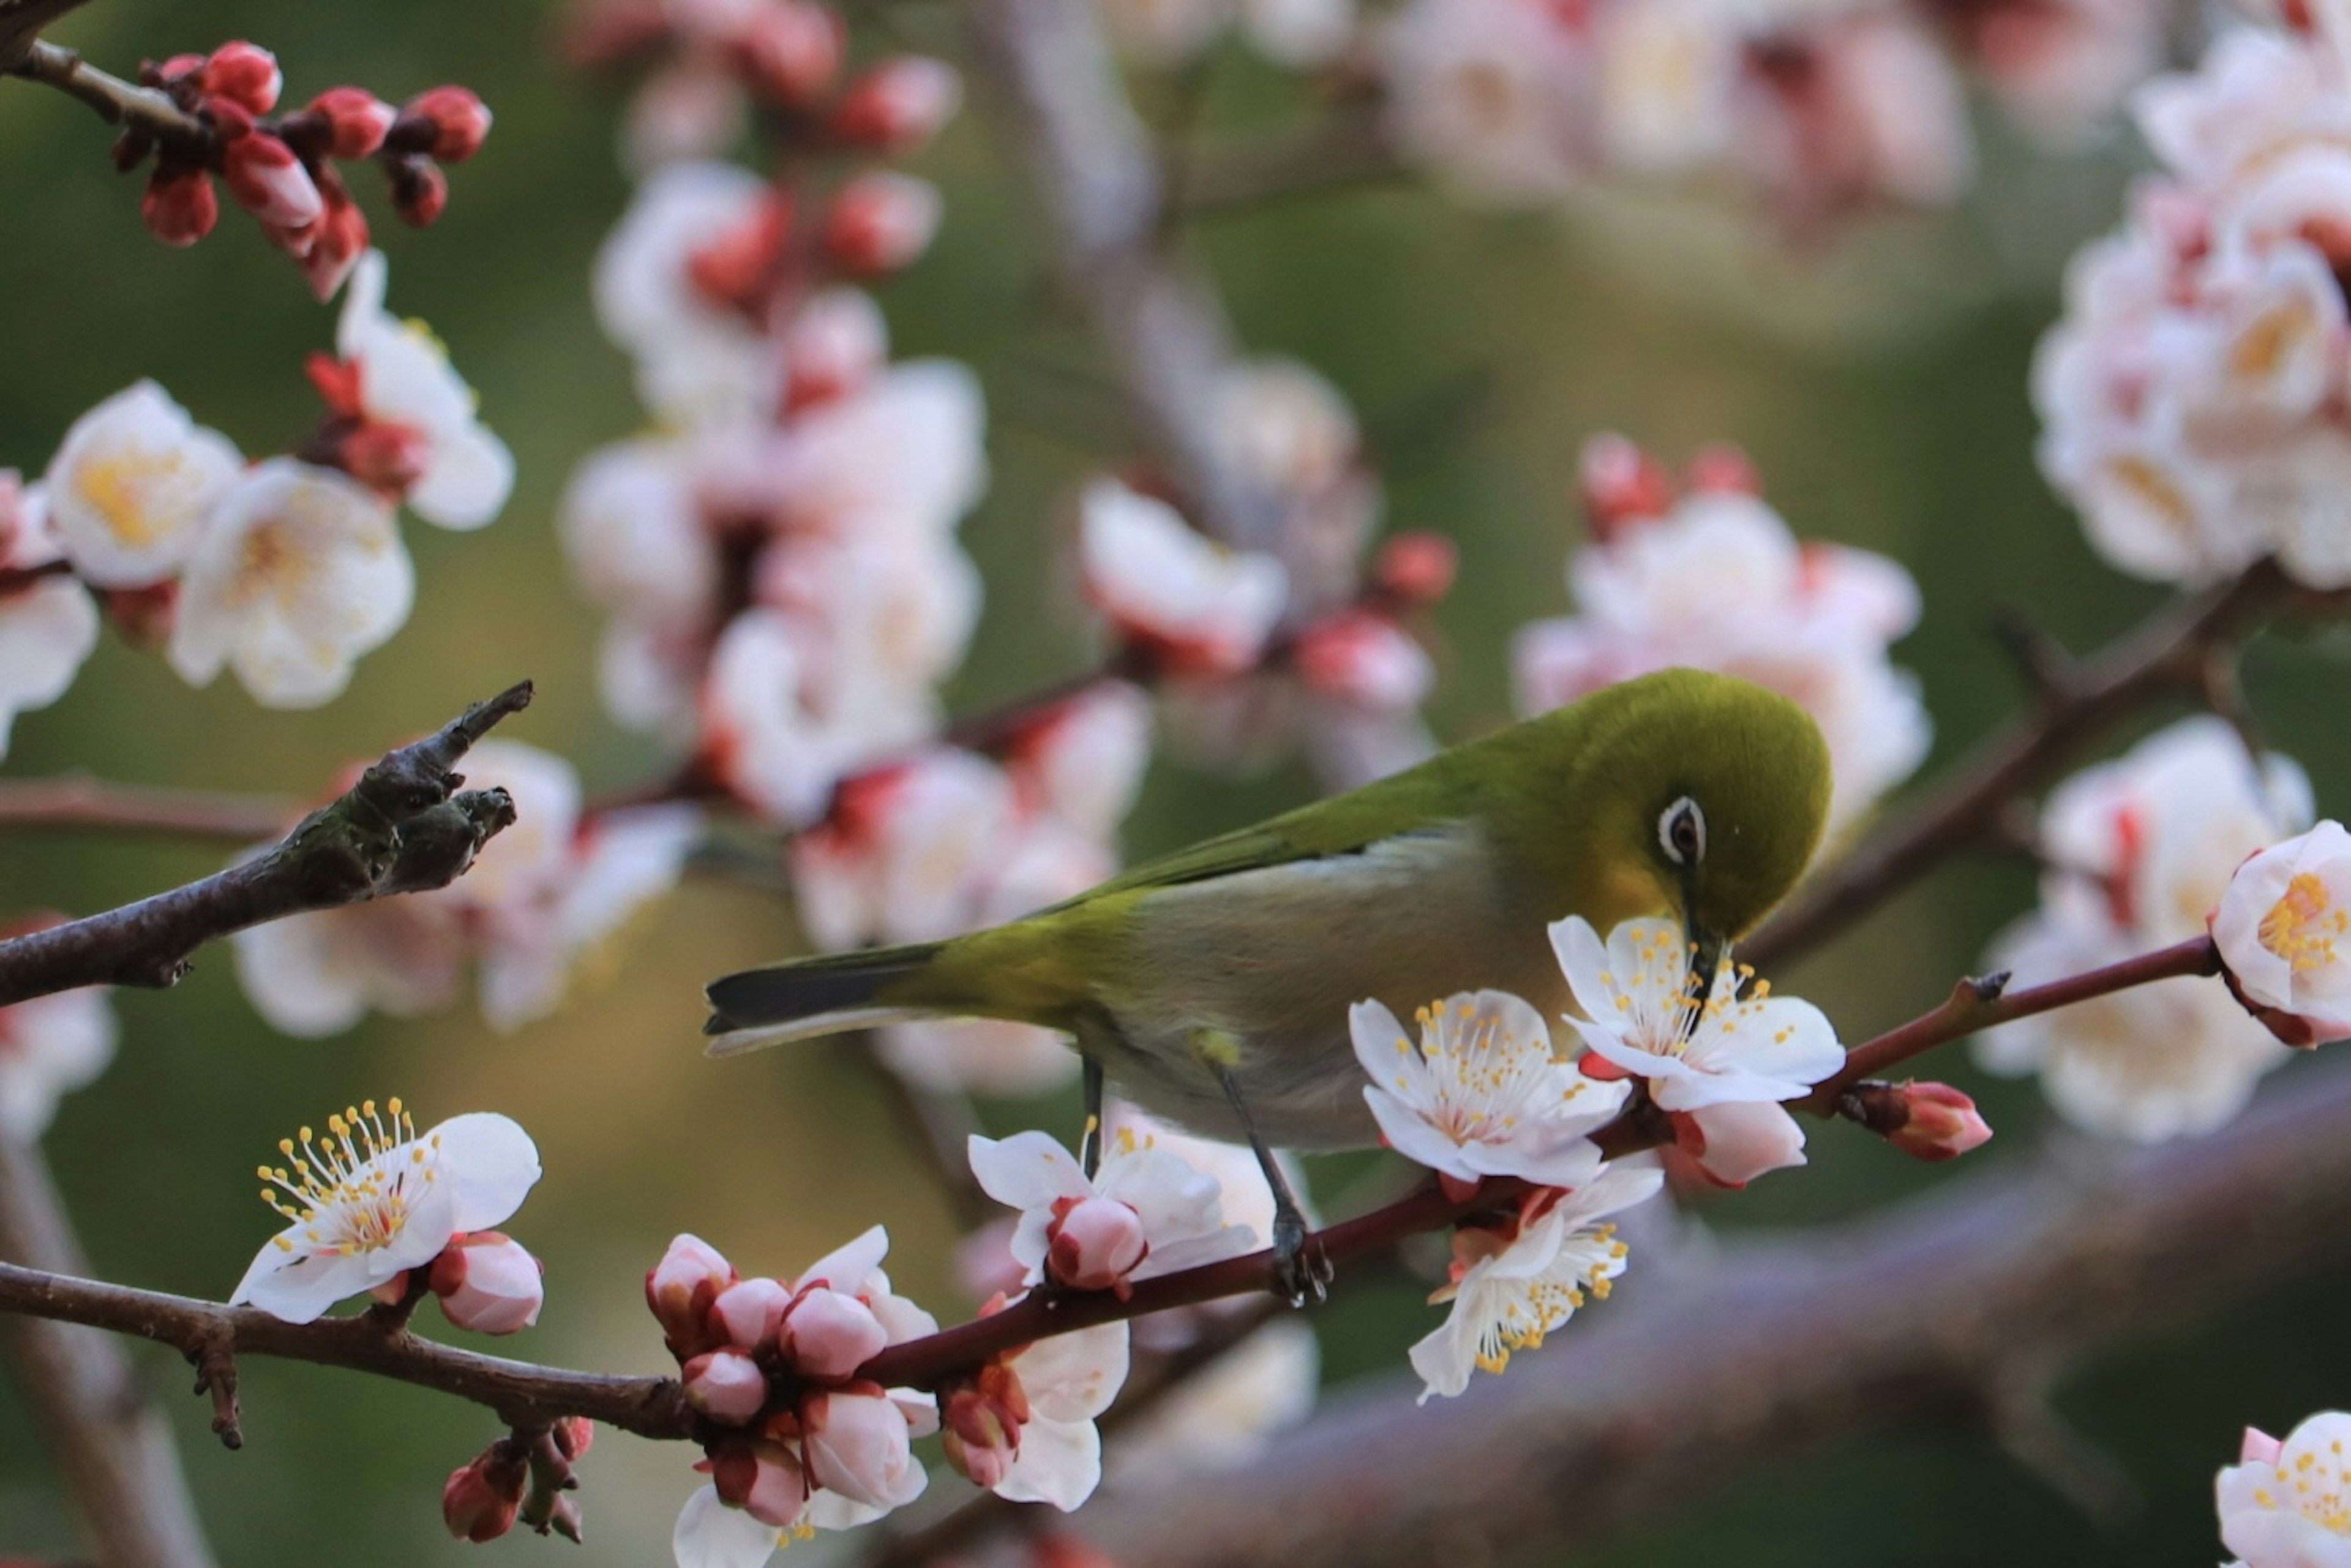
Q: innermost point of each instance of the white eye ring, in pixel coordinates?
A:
(1684, 811)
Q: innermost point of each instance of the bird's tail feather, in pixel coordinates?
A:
(810, 997)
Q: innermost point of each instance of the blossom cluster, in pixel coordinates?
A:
(1706, 574)
(805, 1444)
(285, 170)
(2190, 395)
(2140, 854)
(1816, 108)
(1257, 652)
(286, 570)
(544, 899)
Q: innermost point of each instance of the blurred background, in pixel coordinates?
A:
(1875, 374)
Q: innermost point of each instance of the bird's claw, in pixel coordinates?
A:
(1300, 1266)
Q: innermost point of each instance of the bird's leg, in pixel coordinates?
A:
(1090, 1150)
(1298, 1258)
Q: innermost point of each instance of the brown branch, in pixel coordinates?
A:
(77, 800)
(404, 827)
(114, 1447)
(2172, 652)
(117, 102)
(21, 22)
(1923, 1309)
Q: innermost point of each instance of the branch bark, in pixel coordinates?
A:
(113, 1445)
(405, 827)
(117, 102)
(1933, 1305)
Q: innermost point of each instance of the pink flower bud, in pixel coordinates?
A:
(480, 1498)
(793, 50)
(574, 1436)
(727, 1385)
(2259, 1448)
(744, 1315)
(899, 104)
(857, 1444)
(829, 1334)
(460, 124)
(336, 240)
(488, 1283)
(981, 1421)
(832, 347)
(761, 1478)
(356, 121)
(880, 223)
(1366, 660)
(1093, 1243)
(1416, 567)
(419, 191)
(680, 1289)
(1722, 469)
(245, 74)
(1622, 482)
(173, 71)
(1942, 1123)
(180, 205)
(269, 182)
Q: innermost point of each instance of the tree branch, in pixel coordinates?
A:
(117, 102)
(21, 22)
(404, 827)
(79, 801)
(2172, 651)
(115, 1449)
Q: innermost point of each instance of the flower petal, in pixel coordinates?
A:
(709, 1534)
(489, 1165)
(1059, 1462)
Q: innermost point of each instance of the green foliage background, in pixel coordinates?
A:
(1879, 379)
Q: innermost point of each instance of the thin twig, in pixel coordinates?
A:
(117, 102)
(79, 801)
(404, 827)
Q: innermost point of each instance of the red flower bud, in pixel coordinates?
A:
(1925, 1121)
(356, 121)
(880, 223)
(574, 1436)
(180, 205)
(1416, 567)
(245, 74)
(793, 50)
(480, 1498)
(332, 245)
(460, 121)
(420, 191)
(270, 183)
(1621, 482)
(899, 104)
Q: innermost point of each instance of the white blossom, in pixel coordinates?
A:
(131, 490)
(699, 361)
(1070, 1379)
(49, 1047)
(48, 625)
(373, 1198)
(1158, 579)
(301, 571)
(2288, 1504)
(2283, 928)
(1494, 97)
(464, 474)
(1480, 1092)
(1176, 1212)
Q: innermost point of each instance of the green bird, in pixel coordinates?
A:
(1212, 984)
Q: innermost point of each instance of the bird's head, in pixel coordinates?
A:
(1717, 793)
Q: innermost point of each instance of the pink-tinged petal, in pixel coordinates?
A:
(1059, 1462)
(709, 1534)
(1074, 1376)
(1742, 1140)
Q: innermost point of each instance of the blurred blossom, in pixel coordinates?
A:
(2060, 68)
(133, 486)
(697, 357)
(1513, 1285)
(49, 1047)
(1291, 432)
(1297, 34)
(299, 572)
(1082, 759)
(1228, 1413)
(374, 1199)
(1494, 97)
(2281, 928)
(1716, 581)
(2187, 395)
(545, 900)
(48, 622)
(1145, 1212)
(1165, 586)
(2140, 851)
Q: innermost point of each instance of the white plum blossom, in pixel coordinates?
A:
(1509, 1288)
(1287, 427)
(1082, 760)
(2287, 1504)
(1642, 1017)
(1716, 581)
(2283, 928)
(131, 490)
(315, 975)
(1145, 1212)
(698, 358)
(2141, 851)
(1480, 1092)
(49, 1047)
(373, 1198)
(300, 572)
(1069, 1380)
(49, 622)
(462, 474)
(904, 852)
(1161, 582)
(1494, 97)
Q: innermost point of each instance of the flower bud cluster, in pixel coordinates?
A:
(284, 168)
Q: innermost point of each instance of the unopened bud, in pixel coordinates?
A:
(744, 1314)
(487, 1283)
(244, 74)
(793, 50)
(1735, 1142)
(680, 1289)
(573, 1435)
(1093, 1243)
(180, 205)
(1926, 1121)
(856, 1443)
(337, 241)
(829, 1334)
(879, 223)
(833, 346)
(419, 191)
(762, 1479)
(459, 122)
(1366, 660)
(727, 1385)
(480, 1498)
(899, 104)
(1416, 567)
(1722, 469)
(1621, 482)
(356, 121)
(269, 182)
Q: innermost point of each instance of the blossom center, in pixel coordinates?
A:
(352, 1190)
(2320, 1490)
(2302, 926)
(124, 491)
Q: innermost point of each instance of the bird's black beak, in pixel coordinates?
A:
(1708, 950)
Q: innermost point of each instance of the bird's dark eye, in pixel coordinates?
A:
(1681, 833)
